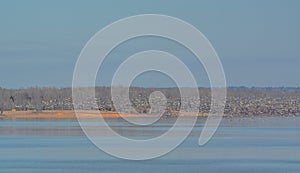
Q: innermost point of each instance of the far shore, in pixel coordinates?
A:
(70, 114)
(60, 114)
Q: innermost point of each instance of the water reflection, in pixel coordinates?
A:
(240, 145)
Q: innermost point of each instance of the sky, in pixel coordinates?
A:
(258, 42)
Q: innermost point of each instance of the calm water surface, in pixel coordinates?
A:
(240, 145)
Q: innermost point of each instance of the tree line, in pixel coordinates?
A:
(240, 100)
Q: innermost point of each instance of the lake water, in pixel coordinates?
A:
(240, 145)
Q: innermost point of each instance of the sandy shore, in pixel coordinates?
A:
(69, 114)
(66, 114)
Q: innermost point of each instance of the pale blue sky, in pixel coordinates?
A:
(257, 41)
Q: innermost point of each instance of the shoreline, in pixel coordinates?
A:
(70, 114)
(60, 114)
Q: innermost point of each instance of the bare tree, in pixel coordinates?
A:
(12, 98)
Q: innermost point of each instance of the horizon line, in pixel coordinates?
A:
(152, 87)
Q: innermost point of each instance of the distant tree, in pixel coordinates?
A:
(12, 99)
(12, 102)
